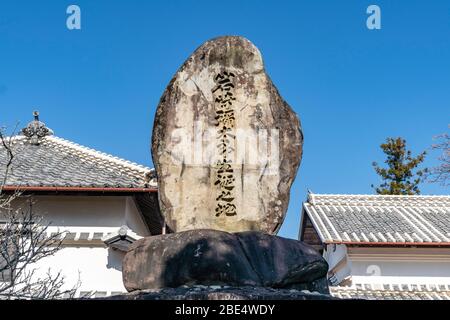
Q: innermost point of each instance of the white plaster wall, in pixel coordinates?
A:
(133, 219)
(82, 211)
(400, 272)
(339, 266)
(98, 267)
(397, 265)
(334, 254)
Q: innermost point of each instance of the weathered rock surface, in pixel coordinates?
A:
(192, 257)
(226, 146)
(281, 262)
(222, 293)
(212, 257)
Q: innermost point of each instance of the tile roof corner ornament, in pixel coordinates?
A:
(121, 239)
(36, 130)
(311, 197)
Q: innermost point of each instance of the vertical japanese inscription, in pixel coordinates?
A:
(223, 104)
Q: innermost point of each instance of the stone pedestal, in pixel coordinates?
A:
(212, 257)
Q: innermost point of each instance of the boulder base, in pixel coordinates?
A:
(211, 257)
(221, 293)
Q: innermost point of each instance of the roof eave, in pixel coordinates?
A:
(390, 244)
(78, 189)
(305, 209)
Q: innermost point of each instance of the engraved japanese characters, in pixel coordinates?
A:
(223, 103)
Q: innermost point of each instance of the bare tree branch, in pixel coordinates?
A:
(441, 173)
(24, 241)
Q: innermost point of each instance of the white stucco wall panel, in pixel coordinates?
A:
(400, 265)
(79, 211)
(134, 220)
(99, 268)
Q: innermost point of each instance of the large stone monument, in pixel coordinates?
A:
(226, 149)
(226, 146)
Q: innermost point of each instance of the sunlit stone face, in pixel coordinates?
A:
(225, 145)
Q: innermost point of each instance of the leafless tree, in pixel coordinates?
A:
(25, 240)
(441, 173)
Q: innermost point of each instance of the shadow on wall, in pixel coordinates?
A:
(115, 258)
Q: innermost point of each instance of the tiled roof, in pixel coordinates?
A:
(56, 162)
(392, 292)
(380, 219)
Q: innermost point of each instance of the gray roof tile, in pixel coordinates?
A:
(380, 219)
(386, 293)
(56, 162)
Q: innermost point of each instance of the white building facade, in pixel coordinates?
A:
(382, 247)
(100, 203)
(87, 222)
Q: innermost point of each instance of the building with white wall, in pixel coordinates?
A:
(101, 203)
(381, 247)
(377, 247)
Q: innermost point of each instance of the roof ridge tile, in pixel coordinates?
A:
(100, 154)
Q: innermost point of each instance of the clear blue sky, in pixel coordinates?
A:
(352, 87)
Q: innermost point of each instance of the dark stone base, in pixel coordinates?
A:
(200, 292)
(217, 258)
